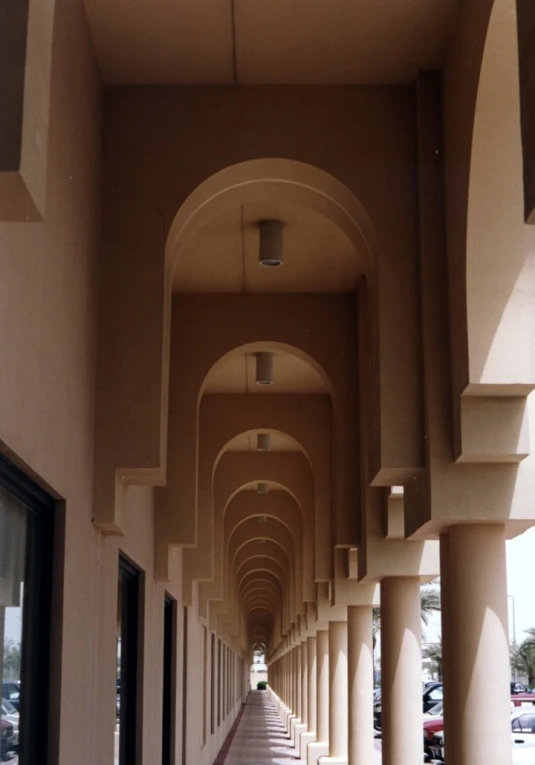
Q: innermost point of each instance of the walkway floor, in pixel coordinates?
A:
(260, 738)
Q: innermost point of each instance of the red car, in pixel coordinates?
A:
(6, 738)
(523, 699)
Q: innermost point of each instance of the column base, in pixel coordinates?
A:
(316, 750)
(332, 761)
(304, 740)
(294, 722)
(282, 710)
(297, 733)
(287, 720)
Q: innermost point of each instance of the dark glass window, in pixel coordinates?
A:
(169, 664)
(129, 671)
(27, 517)
(212, 685)
(527, 723)
(184, 685)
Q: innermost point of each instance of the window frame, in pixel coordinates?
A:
(169, 679)
(38, 729)
(132, 579)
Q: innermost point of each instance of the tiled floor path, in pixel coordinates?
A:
(259, 738)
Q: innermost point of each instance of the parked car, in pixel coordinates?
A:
(436, 711)
(517, 688)
(377, 712)
(522, 738)
(11, 692)
(523, 700)
(6, 739)
(432, 696)
(433, 724)
(10, 714)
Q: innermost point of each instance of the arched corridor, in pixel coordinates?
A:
(267, 331)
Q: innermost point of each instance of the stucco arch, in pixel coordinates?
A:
(239, 544)
(264, 179)
(221, 421)
(282, 524)
(276, 506)
(237, 469)
(256, 558)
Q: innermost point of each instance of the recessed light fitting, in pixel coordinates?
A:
(270, 252)
(262, 488)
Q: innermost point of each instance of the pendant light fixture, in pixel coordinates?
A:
(263, 442)
(270, 254)
(264, 368)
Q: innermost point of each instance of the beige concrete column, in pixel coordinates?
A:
(360, 673)
(401, 670)
(477, 613)
(338, 691)
(288, 662)
(322, 714)
(294, 681)
(285, 679)
(298, 688)
(289, 681)
(309, 734)
(312, 684)
(301, 721)
(320, 746)
(304, 683)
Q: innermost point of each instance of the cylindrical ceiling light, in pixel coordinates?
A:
(264, 368)
(270, 254)
(263, 442)
(262, 488)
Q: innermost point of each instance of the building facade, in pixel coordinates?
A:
(267, 331)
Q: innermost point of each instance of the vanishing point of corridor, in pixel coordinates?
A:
(260, 737)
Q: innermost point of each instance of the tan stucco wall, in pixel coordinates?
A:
(48, 342)
(48, 317)
(86, 265)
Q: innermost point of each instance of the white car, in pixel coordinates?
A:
(10, 714)
(522, 736)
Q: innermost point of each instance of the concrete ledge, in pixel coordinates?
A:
(304, 741)
(297, 733)
(316, 750)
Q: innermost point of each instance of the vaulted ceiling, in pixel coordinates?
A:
(223, 256)
(269, 41)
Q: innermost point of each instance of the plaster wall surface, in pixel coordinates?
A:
(48, 316)
(48, 342)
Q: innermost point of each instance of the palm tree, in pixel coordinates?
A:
(523, 656)
(433, 652)
(429, 603)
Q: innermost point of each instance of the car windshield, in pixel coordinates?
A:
(8, 707)
(437, 709)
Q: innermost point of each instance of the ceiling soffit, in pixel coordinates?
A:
(269, 41)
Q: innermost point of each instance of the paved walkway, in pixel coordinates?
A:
(259, 738)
